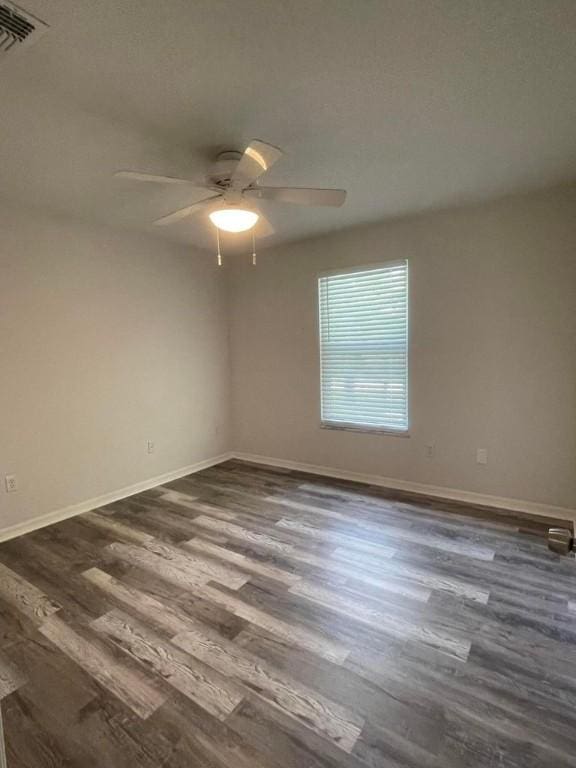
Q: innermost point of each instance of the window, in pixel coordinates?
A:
(364, 348)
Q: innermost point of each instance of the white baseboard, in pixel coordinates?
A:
(496, 502)
(108, 498)
(440, 492)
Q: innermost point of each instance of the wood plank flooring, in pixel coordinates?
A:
(252, 617)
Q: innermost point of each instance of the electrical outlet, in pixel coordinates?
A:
(151, 446)
(429, 452)
(481, 456)
(11, 483)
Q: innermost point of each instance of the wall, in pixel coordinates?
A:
(107, 341)
(493, 350)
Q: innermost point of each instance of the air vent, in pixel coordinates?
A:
(18, 28)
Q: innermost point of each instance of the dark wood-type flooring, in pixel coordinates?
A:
(250, 617)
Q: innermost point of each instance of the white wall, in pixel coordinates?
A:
(106, 341)
(493, 350)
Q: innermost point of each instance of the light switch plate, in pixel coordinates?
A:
(481, 456)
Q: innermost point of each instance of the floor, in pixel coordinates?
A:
(260, 618)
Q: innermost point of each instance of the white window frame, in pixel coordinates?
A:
(352, 427)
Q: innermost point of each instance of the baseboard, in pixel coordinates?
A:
(469, 497)
(441, 492)
(108, 498)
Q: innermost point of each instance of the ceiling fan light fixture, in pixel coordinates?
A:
(234, 219)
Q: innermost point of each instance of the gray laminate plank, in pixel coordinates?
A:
(201, 545)
(279, 736)
(501, 701)
(213, 692)
(171, 524)
(426, 577)
(471, 741)
(326, 563)
(11, 678)
(203, 741)
(117, 529)
(405, 713)
(103, 733)
(386, 507)
(465, 549)
(237, 531)
(25, 597)
(212, 510)
(28, 743)
(355, 572)
(378, 748)
(154, 610)
(54, 681)
(164, 605)
(125, 683)
(188, 560)
(401, 521)
(328, 718)
(176, 497)
(381, 619)
(291, 631)
(150, 561)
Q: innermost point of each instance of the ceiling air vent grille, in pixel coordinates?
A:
(18, 28)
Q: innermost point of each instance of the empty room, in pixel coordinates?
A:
(288, 384)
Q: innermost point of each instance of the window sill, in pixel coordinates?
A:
(368, 430)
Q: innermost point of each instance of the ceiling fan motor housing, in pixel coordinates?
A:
(221, 172)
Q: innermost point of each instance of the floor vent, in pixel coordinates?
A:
(18, 28)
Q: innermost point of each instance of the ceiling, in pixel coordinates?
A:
(408, 104)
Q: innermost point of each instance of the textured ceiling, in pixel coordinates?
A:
(408, 104)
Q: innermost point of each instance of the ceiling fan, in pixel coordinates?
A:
(231, 184)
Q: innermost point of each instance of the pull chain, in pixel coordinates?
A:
(219, 255)
(219, 252)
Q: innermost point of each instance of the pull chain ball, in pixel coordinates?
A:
(219, 255)
(219, 252)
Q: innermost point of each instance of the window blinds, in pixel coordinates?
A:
(364, 348)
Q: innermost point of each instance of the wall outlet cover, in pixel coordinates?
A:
(11, 483)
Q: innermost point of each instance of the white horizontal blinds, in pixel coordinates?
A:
(364, 347)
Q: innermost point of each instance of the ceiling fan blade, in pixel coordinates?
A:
(258, 157)
(182, 213)
(299, 195)
(263, 227)
(137, 176)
